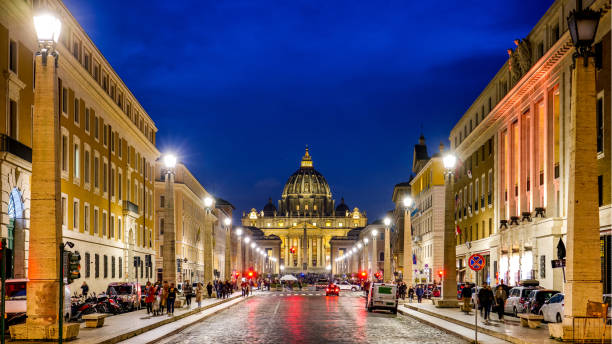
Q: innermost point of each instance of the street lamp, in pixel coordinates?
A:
(387, 258)
(582, 25)
(169, 160)
(169, 264)
(208, 240)
(208, 202)
(227, 221)
(246, 240)
(48, 28)
(407, 240)
(239, 231)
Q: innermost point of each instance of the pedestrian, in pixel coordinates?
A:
(419, 293)
(172, 292)
(209, 289)
(500, 300)
(411, 294)
(466, 296)
(84, 289)
(188, 291)
(150, 297)
(199, 294)
(485, 299)
(164, 297)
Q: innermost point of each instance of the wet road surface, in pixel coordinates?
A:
(308, 318)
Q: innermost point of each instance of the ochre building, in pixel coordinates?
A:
(306, 219)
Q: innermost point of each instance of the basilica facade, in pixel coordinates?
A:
(305, 220)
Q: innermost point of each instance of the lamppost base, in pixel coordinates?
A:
(445, 303)
(29, 331)
(582, 329)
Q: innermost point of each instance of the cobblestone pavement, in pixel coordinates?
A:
(308, 319)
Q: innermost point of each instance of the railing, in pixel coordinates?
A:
(130, 207)
(10, 145)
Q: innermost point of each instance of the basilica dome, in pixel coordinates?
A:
(306, 191)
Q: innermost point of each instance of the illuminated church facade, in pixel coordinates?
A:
(305, 221)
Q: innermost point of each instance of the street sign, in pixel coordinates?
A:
(476, 262)
(558, 263)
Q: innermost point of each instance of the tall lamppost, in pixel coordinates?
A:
(449, 273)
(228, 244)
(366, 255)
(208, 240)
(374, 258)
(408, 278)
(239, 264)
(387, 262)
(583, 264)
(169, 248)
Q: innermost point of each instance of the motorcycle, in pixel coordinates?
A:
(82, 305)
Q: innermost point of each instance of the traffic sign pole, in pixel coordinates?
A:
(476, 263)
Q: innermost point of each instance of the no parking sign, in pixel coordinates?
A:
(476, 262)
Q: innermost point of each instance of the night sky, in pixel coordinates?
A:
(238, 88)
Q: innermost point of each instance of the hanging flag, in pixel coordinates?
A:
(414, 259)
(458, 230)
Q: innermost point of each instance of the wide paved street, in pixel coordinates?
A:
(308, 317)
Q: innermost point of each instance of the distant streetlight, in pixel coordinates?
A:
(169, 160)
(208, 202)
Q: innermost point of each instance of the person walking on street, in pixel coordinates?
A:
(150, 297)
(500, 300)
(419, 293)
(485, 299)
(164, 297)
(466, 296)
(411, 294)
(172, 292)
(84, 289)
(199, 294)
(188, 291)
(209, 289)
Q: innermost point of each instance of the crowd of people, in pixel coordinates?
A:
(487, 300)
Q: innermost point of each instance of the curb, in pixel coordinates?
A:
(484, 330)
(150, 327)
(434, 325)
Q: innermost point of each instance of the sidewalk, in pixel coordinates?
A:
(509, 331)
(124, 326)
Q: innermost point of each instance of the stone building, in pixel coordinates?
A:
(305, 220)
(512, 142)
(400, 191)
(107, 147)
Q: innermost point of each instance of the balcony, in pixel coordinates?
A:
(10, 145)
(129, 207)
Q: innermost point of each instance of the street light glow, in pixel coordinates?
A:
(449, 161)
(365, 241)
(48, 27)
(246, 240)
(407, 201)
(208, 201)
(239, 231)
(227, 221)
(170, 160)
(359, 245)
(374, 232)
(252, 245)
(387, 221)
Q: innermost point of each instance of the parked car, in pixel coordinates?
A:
(346, 285)
(552, 310)
(16, 304)
(536, 299)
(382, 296)
(517, 298)
(126, 292)
(332, 289)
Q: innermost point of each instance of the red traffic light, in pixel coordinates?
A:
(250, 273)
(441, 273)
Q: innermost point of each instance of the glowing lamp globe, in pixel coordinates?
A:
(208, 201)
(449, 161)
(169, 160)
(407, 201)
(48, 27)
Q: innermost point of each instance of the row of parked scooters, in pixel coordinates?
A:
(98, 303)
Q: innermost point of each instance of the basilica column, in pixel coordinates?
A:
(309, 248)
(319, 260)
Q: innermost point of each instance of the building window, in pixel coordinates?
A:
(600, 126)
(12, 125)
(76, 110)
(104, 177)
(119, 186)
(161, 226)
(96, 172)
(87, 120)
(64, 100)
(104, 223)
(96, 220)
(112, 266)
(105, 266)
(75, 214)
(112, 182)
(120, 146)
(64, 153)
(119, 228)
(600, 190)
(64, 210)
(96, 265)
(162, 201)
(120, 267)
(86, 167)
(77, 161)
(86, 218)
(13, 56)
(87, 265)
(111, 227)
(96, 127)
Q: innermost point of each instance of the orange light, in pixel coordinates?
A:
(441, 273)
(250, 273)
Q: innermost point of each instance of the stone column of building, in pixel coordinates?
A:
(334, 265)
(319, 258)
(407, 247)
(309, 241)
(387, 273)
(208, 246)
(228, 253)
(169, 249)
(286, 251)
(583, 261)
(373, 265)
(449, 281)
(239, 257)
(45, 215)
(305, 247)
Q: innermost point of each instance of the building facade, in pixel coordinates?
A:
(515, 138)
(107, 152)
(306, 220)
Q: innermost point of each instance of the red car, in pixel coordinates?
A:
(332, 289)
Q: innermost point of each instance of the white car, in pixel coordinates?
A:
(346, 285)
(382, 296)
(16, 303)
(552, 310)
(517, 300)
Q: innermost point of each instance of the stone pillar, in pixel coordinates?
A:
(45, 214)
(319, 258)
(309, 245)
(239, 261)
(334, 265)
(286, 253)
(208, 247)
(228, 253)
(374, 260)
(387, 274)
(583, 262)
(449, 281)
(169, 250)
(407, 248)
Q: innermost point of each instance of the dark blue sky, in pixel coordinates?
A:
(238, 88)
